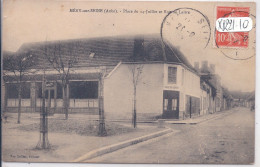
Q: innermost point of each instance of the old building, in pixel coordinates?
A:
(168, 86)
(226, 100)
(208, 94)
(212, 98)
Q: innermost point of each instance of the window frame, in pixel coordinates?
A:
(171, 76)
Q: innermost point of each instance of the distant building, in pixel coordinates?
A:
(226, 100)
(250, 101)
(242, 99)
(211, 89)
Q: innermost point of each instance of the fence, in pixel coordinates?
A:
(75, 105)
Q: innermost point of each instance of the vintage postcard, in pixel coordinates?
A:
(128, 82)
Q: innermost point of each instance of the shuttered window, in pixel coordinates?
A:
(172, 75)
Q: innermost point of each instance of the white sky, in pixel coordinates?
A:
(30, 21)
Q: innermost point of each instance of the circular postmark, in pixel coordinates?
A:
(186, 28)
(236, 45)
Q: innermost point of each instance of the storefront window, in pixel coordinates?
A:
(12, 89)
(84, 89)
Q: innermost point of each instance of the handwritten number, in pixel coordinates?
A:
(245, 24)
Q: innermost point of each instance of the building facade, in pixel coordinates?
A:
(164, 90)
(168, 87)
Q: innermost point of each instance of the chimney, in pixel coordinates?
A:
(205, 64)
(212, 68)
(197, 66)
(138, 53)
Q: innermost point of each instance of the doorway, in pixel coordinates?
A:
(170, 104)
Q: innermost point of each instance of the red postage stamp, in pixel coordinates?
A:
(232, 39)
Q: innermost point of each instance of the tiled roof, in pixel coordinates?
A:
(109, 51)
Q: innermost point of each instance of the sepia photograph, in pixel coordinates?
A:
(110, 82)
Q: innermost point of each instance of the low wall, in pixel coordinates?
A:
(128, 116)
(93, 111)
(14, 102)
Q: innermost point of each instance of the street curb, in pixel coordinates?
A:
(205, 120)
(114, 147)
(218, 116)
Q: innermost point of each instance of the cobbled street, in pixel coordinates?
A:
(228, 139)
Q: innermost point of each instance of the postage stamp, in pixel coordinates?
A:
(232, 39)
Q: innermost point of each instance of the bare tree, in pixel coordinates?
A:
(17, 66)
(136, 71)
(63, 57)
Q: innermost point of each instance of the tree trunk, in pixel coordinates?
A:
(102, 127)
(65, 101)
(19, 102)
(134, 112)
(5, 97)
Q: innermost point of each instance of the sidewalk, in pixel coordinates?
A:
(19, 141)
(19, 145)
(201, 118)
